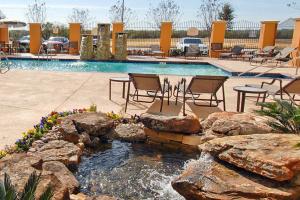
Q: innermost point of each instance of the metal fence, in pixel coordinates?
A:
(284, 36)
(244, 33)
(141, 35)
(180, 30)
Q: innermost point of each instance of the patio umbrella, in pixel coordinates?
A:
(12, 23)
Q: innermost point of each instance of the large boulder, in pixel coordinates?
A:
(130, 132)
(94, 124)
(178, 124)
(229, 123)
(207, 179)
(19, 167)
(59, 150)
(274, 156)
(56, 175)
(68, 130)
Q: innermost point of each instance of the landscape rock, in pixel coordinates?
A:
(59, 150)
(63, 175)
(19, 167)
(81, 196)
(60, 191)
(85, 139)
(94, 124)
(68, 130)
(178, 124)
(230, 123)
(130, 132)
(207, 179)
(274, 156)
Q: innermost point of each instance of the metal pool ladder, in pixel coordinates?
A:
(4, 66)
(43, 52)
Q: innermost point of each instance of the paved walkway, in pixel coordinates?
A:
(26, 96)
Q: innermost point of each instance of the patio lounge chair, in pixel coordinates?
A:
(199, 86)
(291, 89)
(235, 52)
(155, 50)
(150, 86)
(267, 51)
(192, 51)
(282, 56)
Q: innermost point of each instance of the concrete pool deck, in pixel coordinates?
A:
(26, 96)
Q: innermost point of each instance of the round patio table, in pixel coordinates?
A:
(244, 90)
(123, 80)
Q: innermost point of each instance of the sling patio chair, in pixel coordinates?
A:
(283, 56)
(201, 85)
(156, 51)
(150, 87)
(234, 52)
(192, 51)
(291, 89)
(267, 51)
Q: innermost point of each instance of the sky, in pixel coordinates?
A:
(59, 10)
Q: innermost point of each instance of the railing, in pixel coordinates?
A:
(6, 65)
(141, 35)
(180, 30)
(244, 33)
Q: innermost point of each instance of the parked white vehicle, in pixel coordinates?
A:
(187, 41)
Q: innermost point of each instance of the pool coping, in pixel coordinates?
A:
(195, 62)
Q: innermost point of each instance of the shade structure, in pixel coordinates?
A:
(12, 23)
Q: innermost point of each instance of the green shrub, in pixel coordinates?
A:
(286, 116)
(8, 191)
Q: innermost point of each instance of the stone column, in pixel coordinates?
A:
(87, 49)
(103, 46)
(118, 27)
(74, 38)
(121, 46)
(217, 36)
(165, 37)
(268, 33)
(35, 31)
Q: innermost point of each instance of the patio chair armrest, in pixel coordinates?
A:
(272, 82)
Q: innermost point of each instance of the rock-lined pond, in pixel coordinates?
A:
(132, 171)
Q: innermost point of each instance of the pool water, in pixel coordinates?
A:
(120, 67)
(132, 171)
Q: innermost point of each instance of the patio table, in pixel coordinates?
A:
(244, 90)
(123, 80)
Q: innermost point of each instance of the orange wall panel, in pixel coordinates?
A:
(165, 37)
(35, 31)
(75, 36)
(118, 27)
(268, 34)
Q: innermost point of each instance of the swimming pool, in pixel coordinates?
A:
(181, 69)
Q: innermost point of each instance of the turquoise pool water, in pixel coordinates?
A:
(120, 67)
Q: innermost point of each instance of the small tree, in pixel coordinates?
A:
(166, 10)
(118, 13)
(226, 14)
(209, 11)
(36, 12)
(80, 16)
